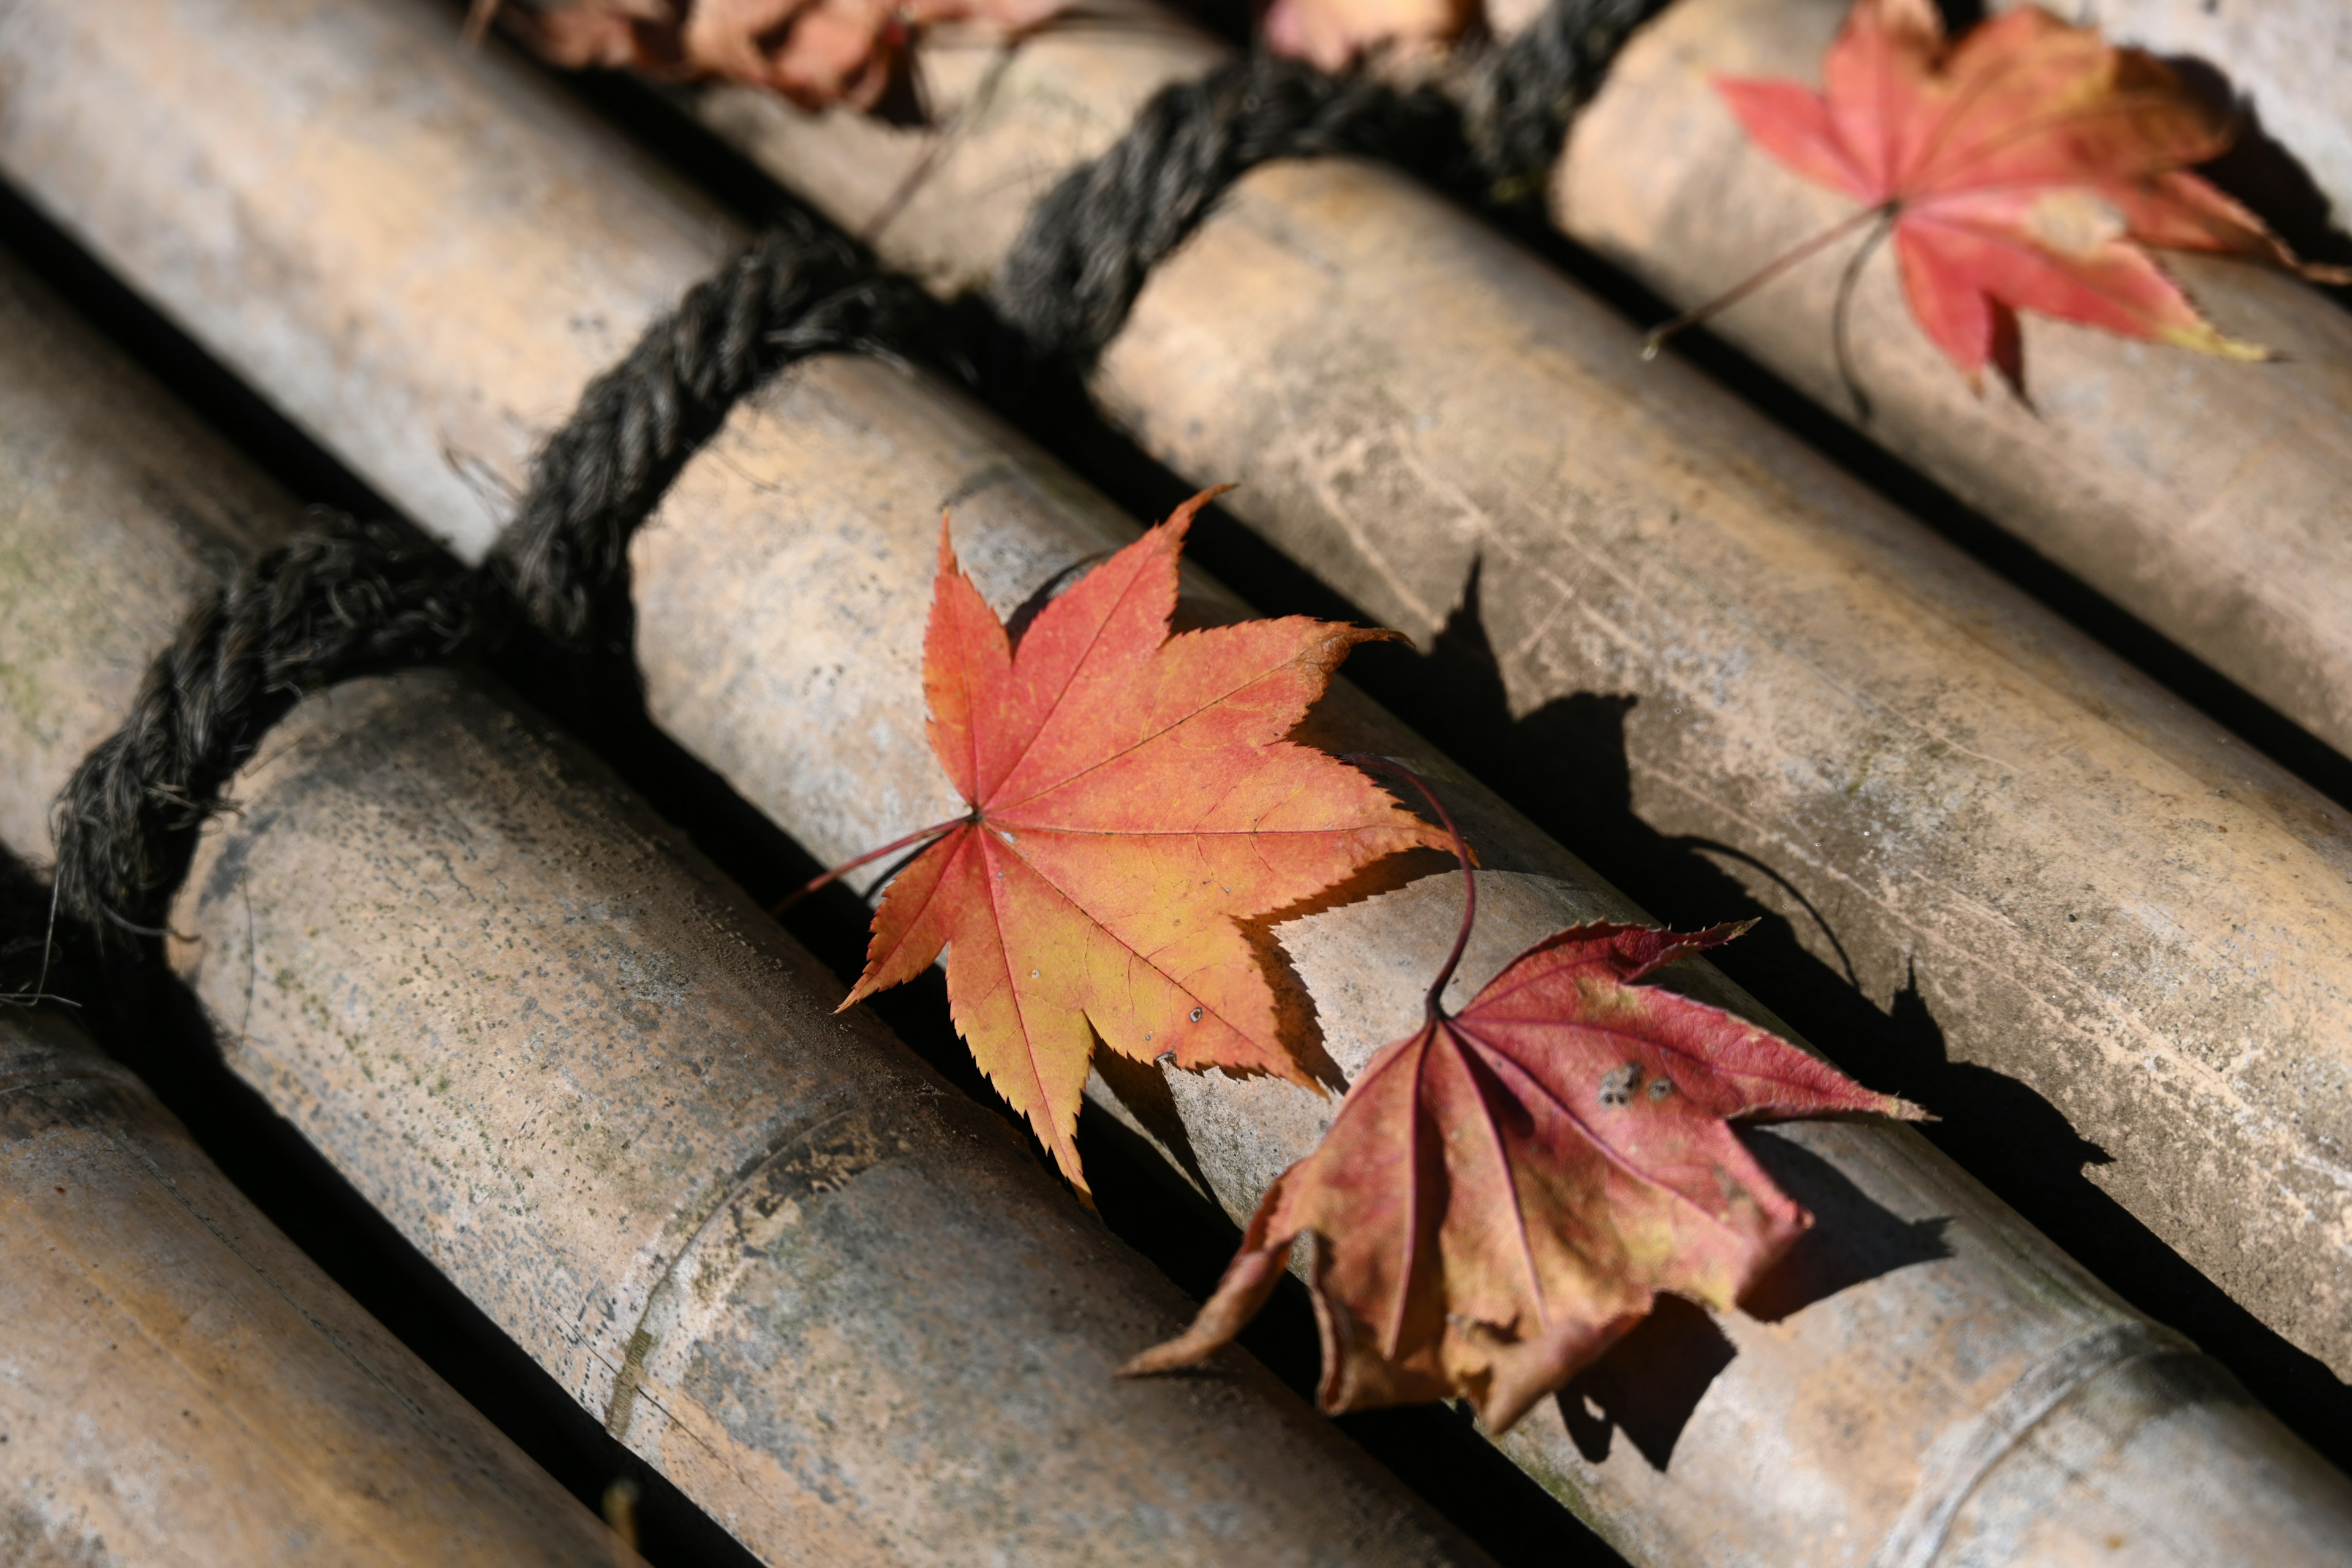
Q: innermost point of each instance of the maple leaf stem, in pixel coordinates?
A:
(1433, 1005)
(1658, 337)
(920, 836)
(1840, 345)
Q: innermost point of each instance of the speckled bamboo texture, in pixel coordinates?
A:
(181, 1387)
(780, 595)
(836, 1302)
(1940, 786)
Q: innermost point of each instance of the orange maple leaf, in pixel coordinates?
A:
(817, 53)
(2021, 169)
(1132, 800)
(1504, 1192)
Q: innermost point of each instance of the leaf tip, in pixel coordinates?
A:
(949, 565)
(1187, 1349)
(2205, 338)
(1179, 521)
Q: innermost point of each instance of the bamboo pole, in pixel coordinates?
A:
(2202, 495)
(68, 540)
(838, 1304)
(1947, 792)
(1906, 1375)
(181, 1387)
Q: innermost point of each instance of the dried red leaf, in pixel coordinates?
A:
(1133, 800)
(1504, 1192)
(817, 53)
(2021, 169)
(1332, 35)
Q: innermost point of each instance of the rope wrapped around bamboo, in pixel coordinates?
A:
(1947, 790)
(182, 1388)
(835, 1301)
(2202, 495)
(1896, 1374)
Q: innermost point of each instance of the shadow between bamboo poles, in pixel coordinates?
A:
(1862, 1323)
(184, 1386)
(1919, 1262)
(1935, 781)
(837, 1304)
(2198, 494)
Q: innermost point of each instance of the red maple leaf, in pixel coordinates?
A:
(1133, 800)
(1503, 1192)
(2021, 169)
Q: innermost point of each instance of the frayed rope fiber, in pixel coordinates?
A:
(344, 599)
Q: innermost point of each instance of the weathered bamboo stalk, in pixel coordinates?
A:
(781, 594)
(181, 1386)
(2203, 495)
(835, 1301)
(1931, 1375)
(2093, 891)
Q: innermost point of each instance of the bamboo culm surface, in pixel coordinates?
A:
(183, 1387)
(833, 1300)
(1927, 1318)
(1952, 795)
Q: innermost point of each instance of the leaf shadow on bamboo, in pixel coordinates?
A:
(1651, 1382)
(1566, 766)
(2260, 172)
(2257, 169)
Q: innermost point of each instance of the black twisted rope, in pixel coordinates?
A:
(1083, 255)
(344, 599)
(1522, 96)
(1088, 246)
(341, 599)
(799, 291)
